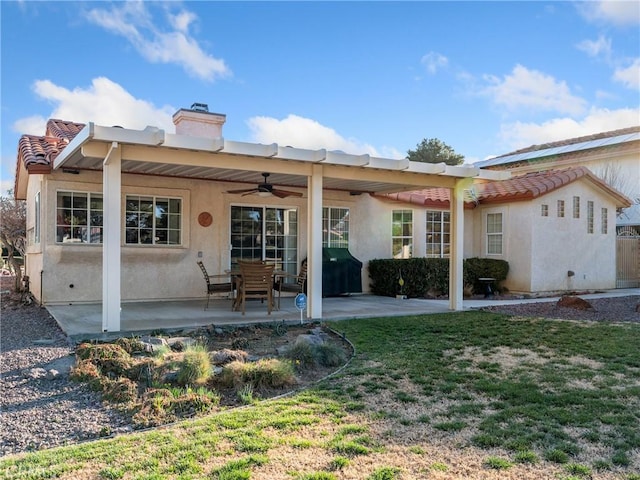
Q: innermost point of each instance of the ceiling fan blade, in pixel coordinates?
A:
(243, 190)
(285, 193)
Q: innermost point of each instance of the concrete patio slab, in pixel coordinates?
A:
(85, 320)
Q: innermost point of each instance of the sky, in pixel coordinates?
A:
(486, 78)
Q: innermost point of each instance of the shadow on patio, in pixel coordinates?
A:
(85, 320)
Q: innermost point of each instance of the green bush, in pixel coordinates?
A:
(422, 275)
(195, 367)
(263, 374)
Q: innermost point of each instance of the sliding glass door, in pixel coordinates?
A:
(265, 233)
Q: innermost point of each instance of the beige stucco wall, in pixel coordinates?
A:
(540, 250)
(72, 273)
(516, 241)
(561, 245)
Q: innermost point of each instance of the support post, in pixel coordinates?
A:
(111, 232)
(456, 255)
(314, 243)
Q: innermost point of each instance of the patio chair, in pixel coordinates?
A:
(256, 282)
(216, 283)
(297, 285)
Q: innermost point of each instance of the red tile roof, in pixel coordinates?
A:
(37, 153)
(523, 187)
(63, 129)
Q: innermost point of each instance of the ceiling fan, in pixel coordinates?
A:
(265, 189)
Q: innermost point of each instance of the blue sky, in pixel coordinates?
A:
(363, 77)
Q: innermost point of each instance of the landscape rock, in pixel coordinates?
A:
(576, 303)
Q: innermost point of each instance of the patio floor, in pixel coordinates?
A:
(85, 320)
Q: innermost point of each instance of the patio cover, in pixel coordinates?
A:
(116, 150)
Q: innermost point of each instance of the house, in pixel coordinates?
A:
(614, 156)
(555, 228)
(121, 215)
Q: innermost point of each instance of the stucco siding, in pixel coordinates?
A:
(562, 244)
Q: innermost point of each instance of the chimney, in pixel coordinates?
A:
(199, 122)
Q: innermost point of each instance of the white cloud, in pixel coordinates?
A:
(34, 125)
(520, 135)
(629, 76)
(104, 102)
(433, 61)
(533, 90)
(611, 11)
(134, 22)
(300, 132)
(596, 48)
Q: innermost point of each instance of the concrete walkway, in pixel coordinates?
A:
(84, 321)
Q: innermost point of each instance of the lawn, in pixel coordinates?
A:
(459, 395)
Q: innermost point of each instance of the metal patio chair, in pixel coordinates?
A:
(297, 285)
(216, 283)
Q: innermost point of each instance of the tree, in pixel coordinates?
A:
(13, 233)
(434, 151)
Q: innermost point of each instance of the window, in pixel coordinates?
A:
(589, 217)
(36, 229)
(153, 220)
(402, 233)
(438, 231)
(604, 221)
(561, 208)
(265, 233)
(79, 217)
(576, 207)
(494, 234)
(335, 227)
(545, 210)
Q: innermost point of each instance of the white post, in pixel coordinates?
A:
(314, 243)
(111, 190)
(456, 255)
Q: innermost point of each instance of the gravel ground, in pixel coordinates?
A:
(616, 309)
(41, 408)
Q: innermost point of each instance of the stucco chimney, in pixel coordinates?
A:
(199, 122)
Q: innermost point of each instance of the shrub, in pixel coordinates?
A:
(122, 390)
(110, 358)
(329, 355)
(301, 354)
(263, 374)
(130, 345)
(87, 372)
(195, 366)
(422, 275)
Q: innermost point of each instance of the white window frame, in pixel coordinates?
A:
(576, 207)
(544, 210)
(36, 218)
(336, 220)
(65, 233)
(590, 216)
(402, 233)
(444, 234)
(497, 234)
(174, 223)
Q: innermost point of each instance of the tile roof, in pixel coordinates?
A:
(523, 187)
(63, 129)
(37, 153)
